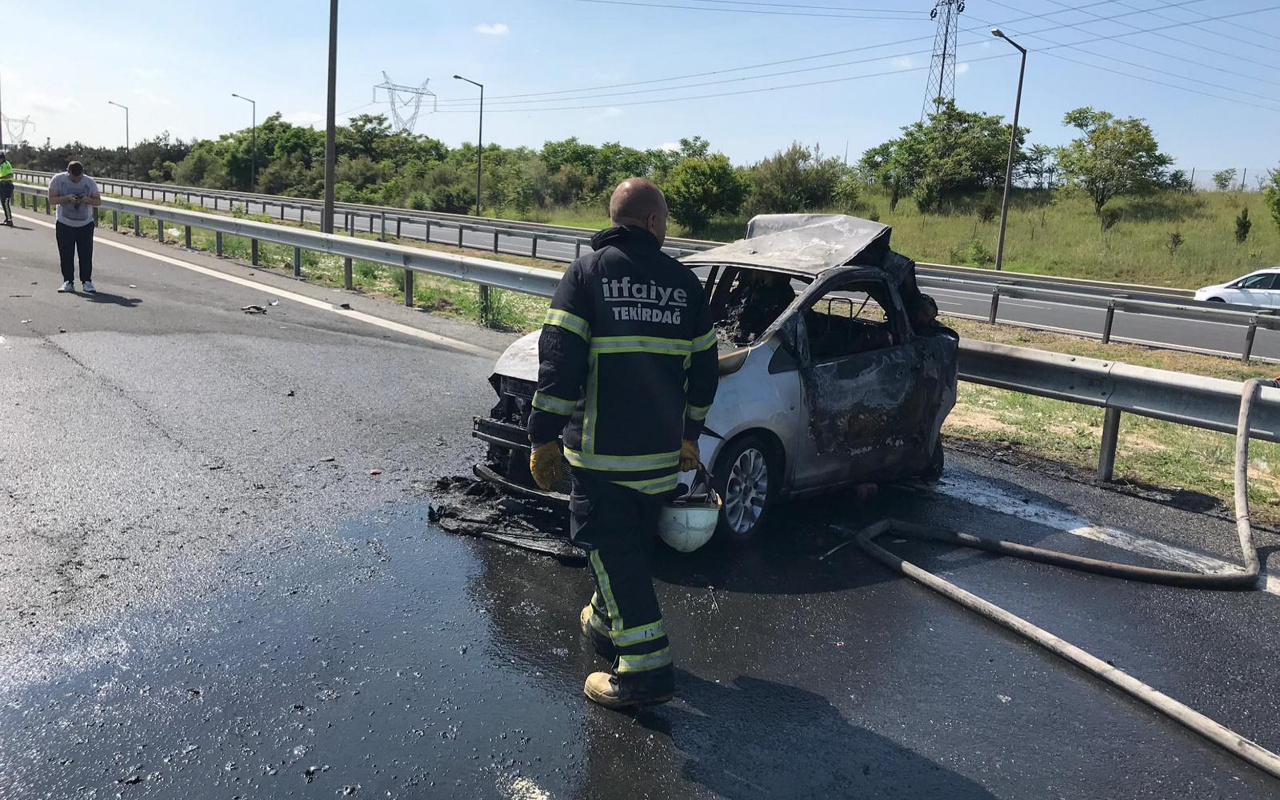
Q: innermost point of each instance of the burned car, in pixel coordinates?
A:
(833, 370)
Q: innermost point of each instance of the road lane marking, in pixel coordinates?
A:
(978, 492)
(359, 316)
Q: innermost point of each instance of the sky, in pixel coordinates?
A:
(750, 77)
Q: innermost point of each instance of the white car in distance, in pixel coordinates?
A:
(1260, 289)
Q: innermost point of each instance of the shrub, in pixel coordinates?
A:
(1108, 218)
(979, 254)
(987, 211)
(1243, 224)
(1175, 241)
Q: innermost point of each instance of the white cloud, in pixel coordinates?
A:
(51, 104)
(495, 29)
(149, 74)
(613, 111)
(903, 62)
(305, 119)
(962, 68)
(670, 147)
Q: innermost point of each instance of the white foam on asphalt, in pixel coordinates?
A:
(984, 494)
(369, 319)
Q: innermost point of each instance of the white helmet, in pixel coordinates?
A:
(688, 522)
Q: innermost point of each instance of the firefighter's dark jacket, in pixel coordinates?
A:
(627, 362)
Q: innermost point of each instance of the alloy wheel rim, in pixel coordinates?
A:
(746, 490)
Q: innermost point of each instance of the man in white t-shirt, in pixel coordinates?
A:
(76, 196)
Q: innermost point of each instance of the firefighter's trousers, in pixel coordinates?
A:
(618, 526)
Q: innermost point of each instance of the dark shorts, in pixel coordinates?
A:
(6, 190)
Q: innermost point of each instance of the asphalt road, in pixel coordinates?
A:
(207, 592)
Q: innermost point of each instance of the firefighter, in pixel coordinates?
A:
(627, 371)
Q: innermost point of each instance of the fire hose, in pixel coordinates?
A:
(1244, 579)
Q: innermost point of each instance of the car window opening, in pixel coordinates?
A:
(849, 320)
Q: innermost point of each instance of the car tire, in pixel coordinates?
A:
(937, 460)
(1216, 300)
(747, 476)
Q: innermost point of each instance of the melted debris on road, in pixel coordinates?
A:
(471, 507)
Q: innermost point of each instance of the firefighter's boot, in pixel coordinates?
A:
(602, 688)
(599, 640)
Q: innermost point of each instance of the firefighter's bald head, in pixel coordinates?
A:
(639, 202)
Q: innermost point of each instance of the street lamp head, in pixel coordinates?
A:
(458, 78)
(996, 32)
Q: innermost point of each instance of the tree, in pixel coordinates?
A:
(1039, 167)
(1271, 194)
(1224, 179)
(699, 188)
(1112, 156)
(795, 179)
(955, 152)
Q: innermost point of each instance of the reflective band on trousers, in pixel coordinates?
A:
(695, 413)
(553, 405)
(655, 486)
(644, 633)
(644, 663)
(606, 590)
(570, 322)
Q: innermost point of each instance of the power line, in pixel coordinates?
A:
(557, 95)
(1197, 24)
(855, 15)
(1170, 38)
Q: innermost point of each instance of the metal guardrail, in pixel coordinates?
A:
(578, 236)
(1207, 403)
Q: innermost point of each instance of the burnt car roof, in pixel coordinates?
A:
(802, 244)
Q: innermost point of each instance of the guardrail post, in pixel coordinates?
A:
(408, 288)
(371, 223)
(351, 224)
(160, 231)
(302, 214)
(495, 241)
(459, 237)
(187, 238)
(382, 235)
(297, 262)
(398, 221)
(47, 207)
(1110, 438)
(347, 281)
(253, 251)
(534, 248)
(1248, 340)
(484, 305)
(1111, 318)
(137, 224)
(995, 305)
(577, 249)
(22, 198)
(115, 220)
(282, 210)
(426, 237)
(217, 243)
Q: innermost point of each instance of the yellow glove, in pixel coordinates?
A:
(690, 458)
(546, 465)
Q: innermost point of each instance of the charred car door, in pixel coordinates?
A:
(867, 410)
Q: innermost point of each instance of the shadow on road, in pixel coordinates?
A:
(755, 738)
(106, 298)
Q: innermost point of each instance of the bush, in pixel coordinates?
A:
(987, 211)
(1108, 218)
(979, 254)
(1175, 241)
(1243, 224)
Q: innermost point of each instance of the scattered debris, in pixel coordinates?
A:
(62, 330)
(274, 302)
(327, 459)
(473, 507)
(290, 393)
(26, 321)
(253, 309)
(345, 306)
(133, 286)
(375, 472)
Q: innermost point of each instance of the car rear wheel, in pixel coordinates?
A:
(747, 476)
(1216, 300)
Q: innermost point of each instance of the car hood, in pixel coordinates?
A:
(520, 360)
(802, 244)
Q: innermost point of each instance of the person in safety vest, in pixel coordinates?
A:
(627, 370)
(6, 188)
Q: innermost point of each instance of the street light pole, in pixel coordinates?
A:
(253, 167)
(479, 140)
(128, 152)
(330, 128)
(1013, 146)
